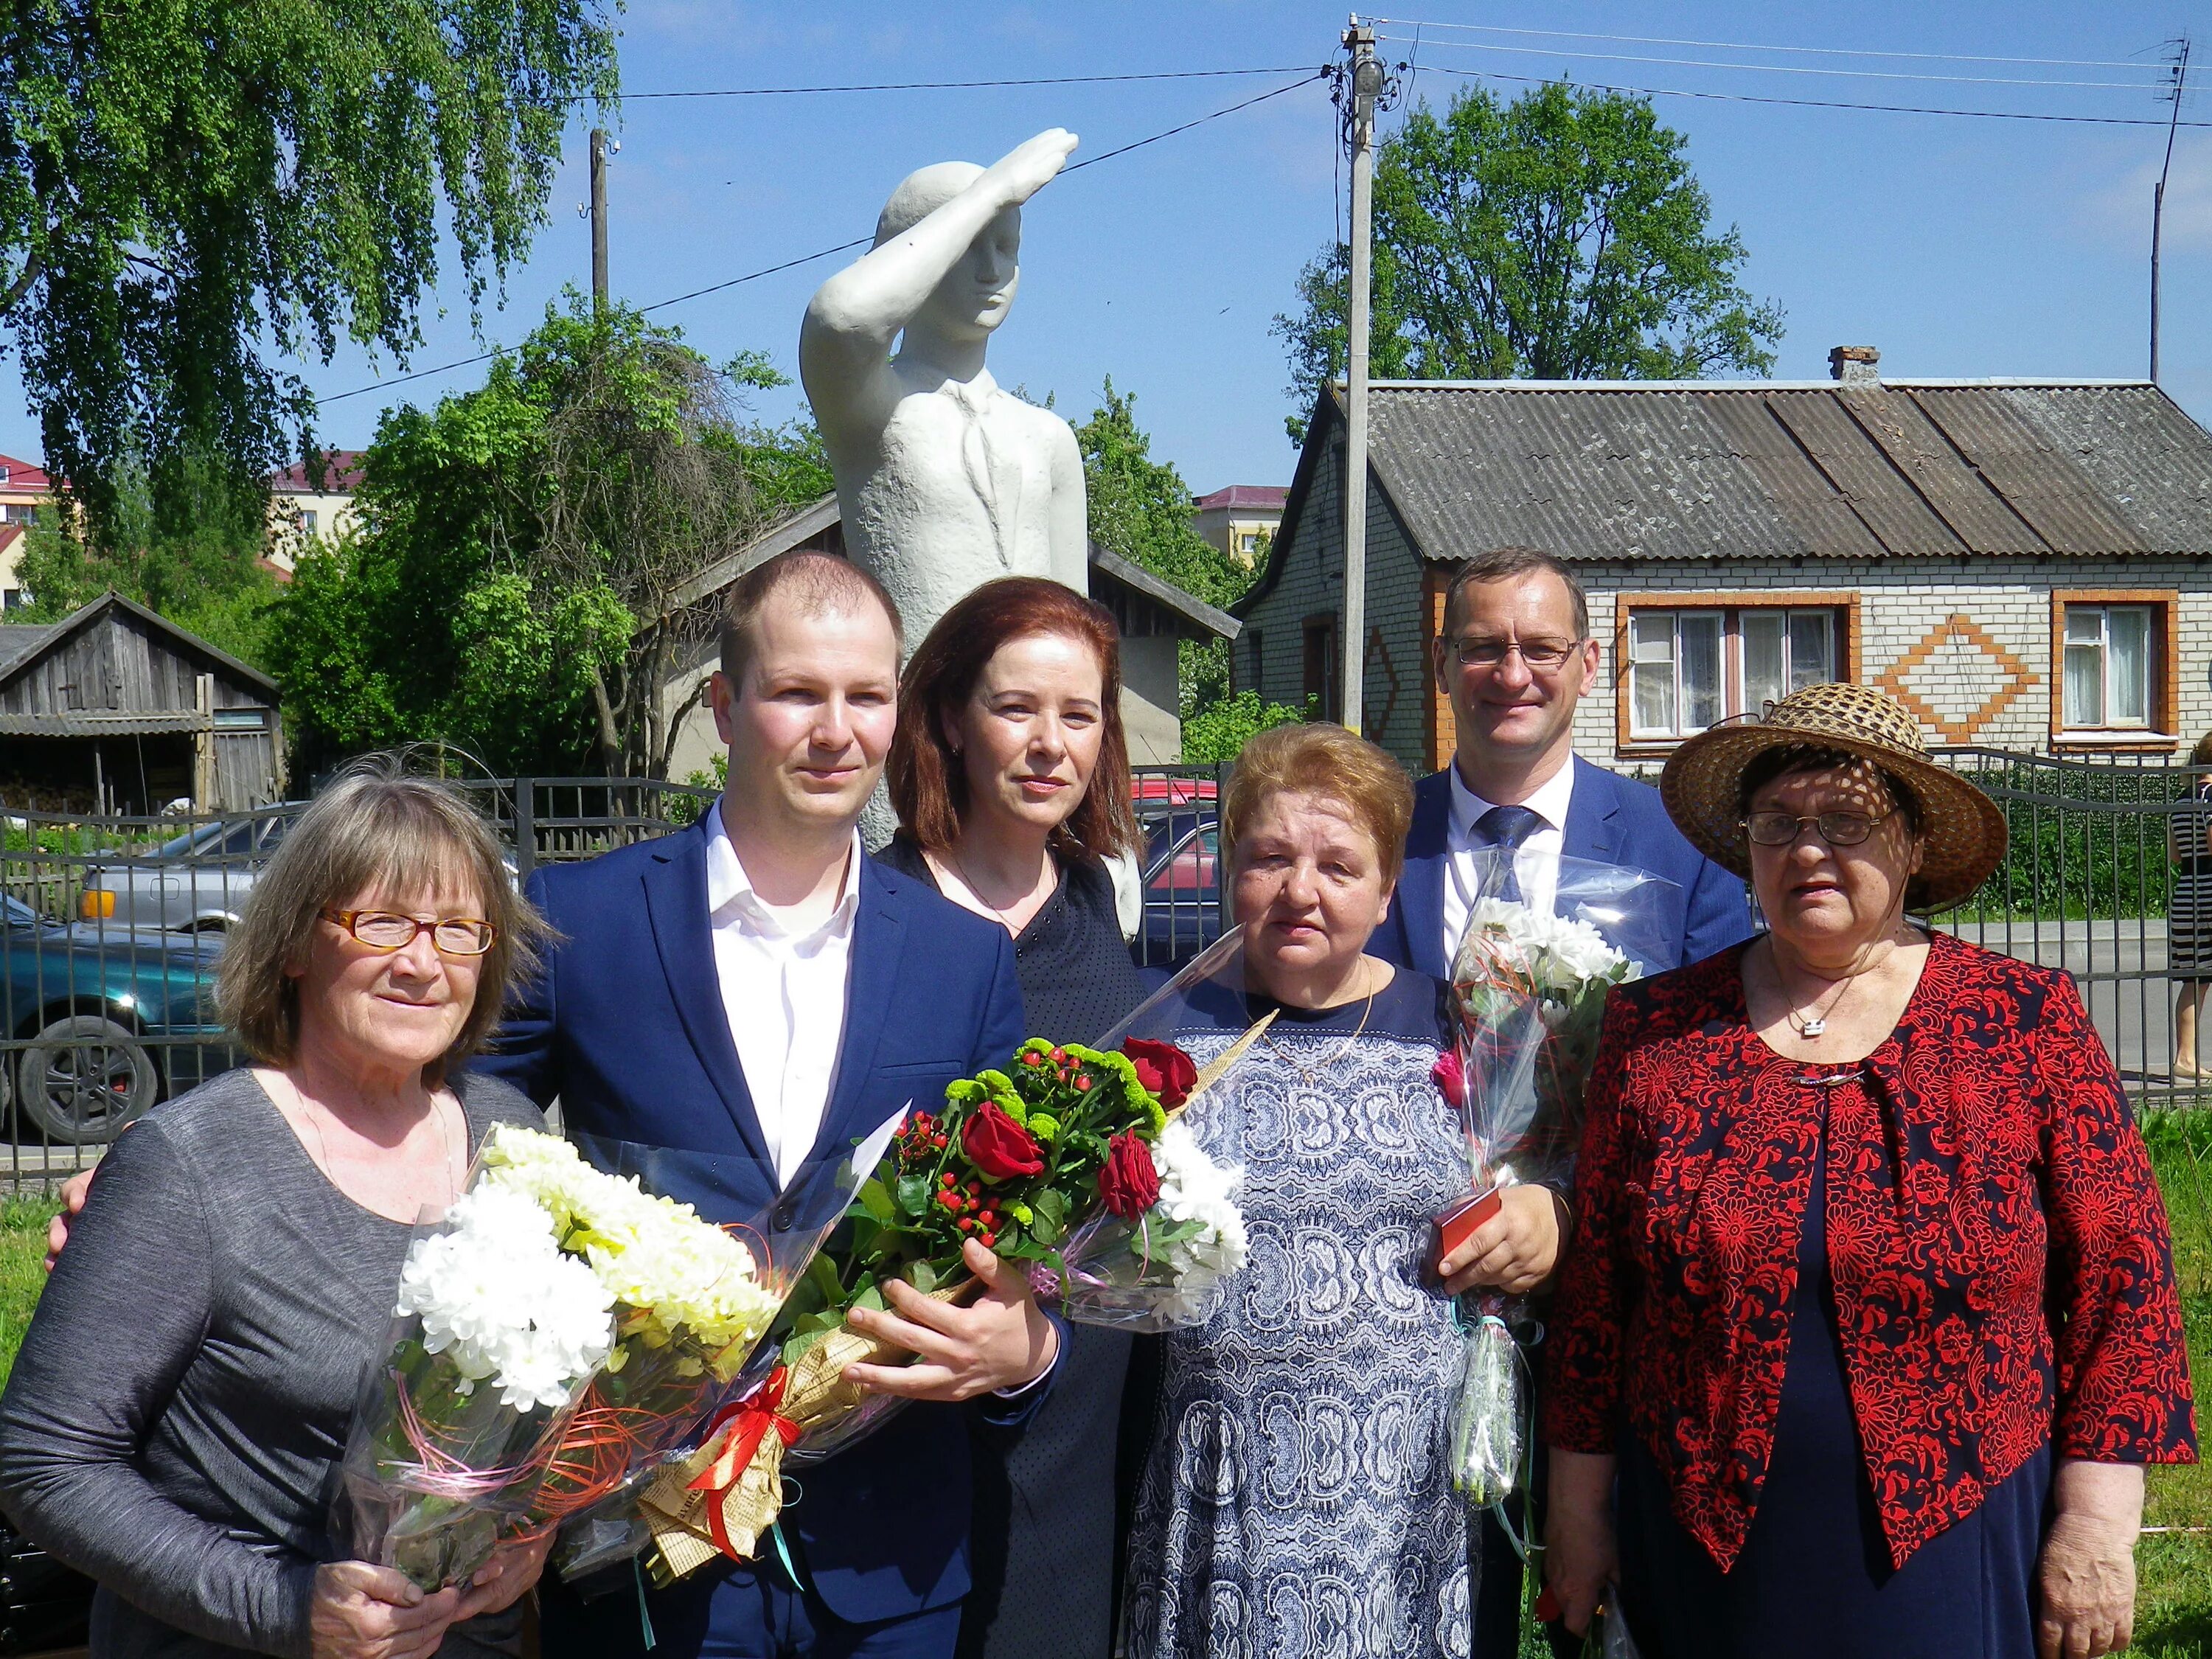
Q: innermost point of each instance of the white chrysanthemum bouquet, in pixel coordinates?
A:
(691, 1303)
(1529, 988)
(1163, 1258)
(556, 1331)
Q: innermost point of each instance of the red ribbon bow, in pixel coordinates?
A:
(747, 1422)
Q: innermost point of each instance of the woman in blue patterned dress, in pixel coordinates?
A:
(1296, 1499)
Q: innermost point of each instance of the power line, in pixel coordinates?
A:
(841, 247)
(969, 85)
(1740, 46)
(1318, 74)
(1814, 103)
(1784, 69)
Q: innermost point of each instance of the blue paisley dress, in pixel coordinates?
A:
(1295, 1503)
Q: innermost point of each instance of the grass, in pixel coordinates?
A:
(23, 1250)
(2173, 1603)
(2173, 1599)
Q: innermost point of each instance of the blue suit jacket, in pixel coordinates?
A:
(626, 1025)
(1610, 820)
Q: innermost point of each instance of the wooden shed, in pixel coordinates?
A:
(116, 709)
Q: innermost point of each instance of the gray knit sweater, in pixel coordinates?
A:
(186, 1388)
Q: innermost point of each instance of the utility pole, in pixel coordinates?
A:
(1366, 88)
(600, 220)
(2158, 193)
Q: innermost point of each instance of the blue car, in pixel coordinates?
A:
(99, 1021)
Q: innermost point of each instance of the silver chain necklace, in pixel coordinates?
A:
(323, 1151)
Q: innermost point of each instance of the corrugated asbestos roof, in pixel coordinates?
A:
(1686, 470)
(19, 640)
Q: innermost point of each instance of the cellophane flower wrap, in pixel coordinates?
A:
(1032, 1162)
(691, 1302)
(495, 1333)
(1529, 988)
(604, 1322)
(694, 1301)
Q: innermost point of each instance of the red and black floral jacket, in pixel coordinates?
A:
(2002, 1272)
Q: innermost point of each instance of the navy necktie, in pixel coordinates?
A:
(1506, 828)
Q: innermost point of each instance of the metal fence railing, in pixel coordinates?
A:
(112, 927)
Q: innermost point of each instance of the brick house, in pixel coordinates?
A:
(2028, 564)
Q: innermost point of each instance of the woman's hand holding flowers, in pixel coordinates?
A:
(1001, 1340)
(508, 1577)
(364, 1611)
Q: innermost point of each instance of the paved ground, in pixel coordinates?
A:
(2120, 967)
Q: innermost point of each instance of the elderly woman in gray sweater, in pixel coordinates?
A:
(185, 1390)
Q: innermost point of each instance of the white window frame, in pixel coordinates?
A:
(1734, 677)
(2105, 720)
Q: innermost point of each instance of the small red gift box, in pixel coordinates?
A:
(1458, 1224)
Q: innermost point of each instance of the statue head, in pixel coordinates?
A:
(976, 293)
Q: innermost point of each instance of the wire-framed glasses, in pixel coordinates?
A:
(383, 930)
(1542, 655)
(1782, 829)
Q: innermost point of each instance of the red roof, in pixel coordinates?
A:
(341, 476)
(22, 475)
(1266, 498)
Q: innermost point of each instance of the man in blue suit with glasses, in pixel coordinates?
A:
(1516, 658)
(756, 995)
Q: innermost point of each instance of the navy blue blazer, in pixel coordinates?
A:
(626, 1025)
(1610, 820)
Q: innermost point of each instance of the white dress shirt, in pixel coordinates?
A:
(1537, 863)
(785, 996)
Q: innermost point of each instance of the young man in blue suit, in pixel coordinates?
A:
(1515, 656)
(758, 995)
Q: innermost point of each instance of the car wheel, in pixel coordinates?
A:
(82, 1079)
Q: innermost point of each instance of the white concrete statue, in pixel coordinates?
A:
(944, 480)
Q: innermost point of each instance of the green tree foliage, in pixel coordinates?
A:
(787, 466)
(1219, 731)
(1141, 509)
(1562, 236)
(518, 584)
(196, 559)
(193, 189)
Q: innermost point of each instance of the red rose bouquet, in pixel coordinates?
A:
(1068, 1162)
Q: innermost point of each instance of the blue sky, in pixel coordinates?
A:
(1957, 246)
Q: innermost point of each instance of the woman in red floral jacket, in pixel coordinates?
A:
(1869, 1324)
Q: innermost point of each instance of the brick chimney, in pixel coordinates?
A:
(1855, 365)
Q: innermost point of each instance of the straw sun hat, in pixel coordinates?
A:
(1966, 831)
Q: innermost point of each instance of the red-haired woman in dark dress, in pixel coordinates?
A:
(1010, 775)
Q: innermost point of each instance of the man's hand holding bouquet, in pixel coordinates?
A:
(1064, 1171)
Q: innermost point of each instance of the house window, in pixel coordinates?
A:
(1258, 683)
(2110, 666)
(306, 520)
(1690, 669)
